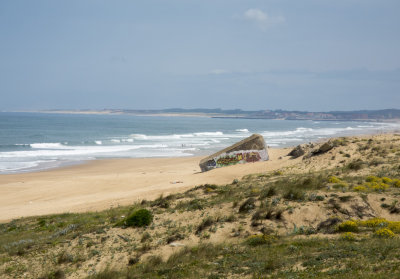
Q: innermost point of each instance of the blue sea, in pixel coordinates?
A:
(38, 141)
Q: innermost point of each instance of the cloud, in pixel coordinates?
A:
(262, 19)
(218, 71)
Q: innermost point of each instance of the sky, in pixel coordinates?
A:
(316, 55)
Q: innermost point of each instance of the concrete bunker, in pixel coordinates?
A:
(249, 150)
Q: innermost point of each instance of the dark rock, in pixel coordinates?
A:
(323, 148)
(133, 261)
(297, 152)
(328, 226)
(251, 149)
(395, 209)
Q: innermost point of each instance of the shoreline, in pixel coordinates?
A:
(101, 184)
(200, 155)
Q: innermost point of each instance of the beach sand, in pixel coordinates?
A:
(102, 184)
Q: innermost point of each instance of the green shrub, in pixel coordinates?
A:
(161, 202)
(348, 226)
(334, 179)
(349, 236)
(384, 233)
(192, 205)
(372, 178)
(387, 180)
(139, 218)
(267, 192)
(207, 222)
(247, 205)
(356, 165)
(256, 240)
(294, 195)
(56, 274)
(396, 183)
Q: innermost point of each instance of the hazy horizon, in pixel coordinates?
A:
(277, 54)
(191, 109)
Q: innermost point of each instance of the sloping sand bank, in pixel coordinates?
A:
(102, 184)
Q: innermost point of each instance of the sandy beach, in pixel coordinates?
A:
(102, 184)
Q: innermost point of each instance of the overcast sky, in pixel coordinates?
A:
(270, 54)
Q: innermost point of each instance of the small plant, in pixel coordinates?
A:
(209, 188)
(256, 240)
(374, 222)
(315, 197)
(174, 236)
(161, 202)
(56, 274)
(360, 188)
(341, 185)
(396, 183)
(376, 162)
(303, 230)
(348, 236)
(139, 218)
(41, 222)
(145, 237)
(269, 192)
(294, 195)
(379, 187)
(247, 205)
(192, 205)
(348, 226)
(64, 257)
(372, 178)
(394, 227)
(387, 180)
(207, 222)
(259, 214)
(334, 179)
(384, 233)
(275, 201)
(356, 165)
(345, 198)
(231, 218)
(278, 214)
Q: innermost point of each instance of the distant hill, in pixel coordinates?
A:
(362, 115)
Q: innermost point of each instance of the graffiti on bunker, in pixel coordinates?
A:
(238, 157)
(211, 164)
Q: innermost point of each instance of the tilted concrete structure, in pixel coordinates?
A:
(251, 149)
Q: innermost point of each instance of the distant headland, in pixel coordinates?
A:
(356, 115)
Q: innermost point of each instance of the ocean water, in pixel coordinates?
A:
(37, 141)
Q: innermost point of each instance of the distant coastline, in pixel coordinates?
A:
(385, 115)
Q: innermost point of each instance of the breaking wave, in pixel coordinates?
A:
(178, 139)
(242, 130)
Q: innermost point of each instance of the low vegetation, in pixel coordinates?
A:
(139, 218)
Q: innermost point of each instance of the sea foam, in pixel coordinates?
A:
(127, 136)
